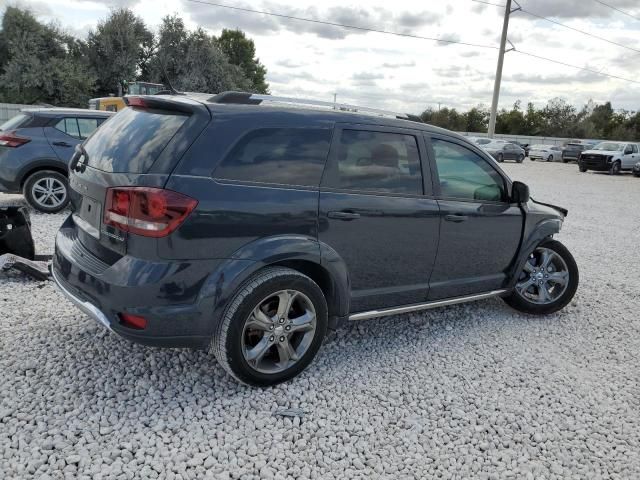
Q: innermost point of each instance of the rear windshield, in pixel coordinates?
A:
(132, 140)
(15, 122)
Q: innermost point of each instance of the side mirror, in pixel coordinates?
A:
(519, 192)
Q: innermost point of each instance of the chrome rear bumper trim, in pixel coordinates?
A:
(86, 307)
(423, 306)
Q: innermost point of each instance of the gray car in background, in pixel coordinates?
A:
(508, 151)
(35, 148)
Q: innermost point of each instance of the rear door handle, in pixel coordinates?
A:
(455, 218)
(343, 215)
(62, 144)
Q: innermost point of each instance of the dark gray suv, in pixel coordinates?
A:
(35, 148)
(249, 227)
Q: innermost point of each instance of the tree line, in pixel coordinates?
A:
(42, 64)
(556, 119)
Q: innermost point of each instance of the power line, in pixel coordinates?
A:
(524, 10)
(342, 25)
(578, 30)
(617, 9)
(597, 72)
(408, 35)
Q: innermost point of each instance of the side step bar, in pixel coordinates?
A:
(423, 306)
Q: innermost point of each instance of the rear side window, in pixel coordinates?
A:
(288, 156)
(132, 140)
(377, 162)
(68, 126)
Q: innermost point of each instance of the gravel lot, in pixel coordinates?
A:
(471, 391)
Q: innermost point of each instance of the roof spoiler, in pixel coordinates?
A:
(246, 98)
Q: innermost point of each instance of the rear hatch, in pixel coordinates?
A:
(127, 161)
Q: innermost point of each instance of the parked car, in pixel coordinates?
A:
(488, 143)
(508, 151)
(612, 157)
(545, 152)
(35, 148)
(248, 230)
(572, 151)
(524, 146)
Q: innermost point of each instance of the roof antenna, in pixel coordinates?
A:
(170, 90)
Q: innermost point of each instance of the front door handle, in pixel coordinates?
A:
(62, 144)
(345, 215)
(456, 218)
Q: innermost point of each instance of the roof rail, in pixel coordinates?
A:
(247, 98)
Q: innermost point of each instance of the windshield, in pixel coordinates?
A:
(14, 122)
(609, 146)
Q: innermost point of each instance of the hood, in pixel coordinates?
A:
(601, 152)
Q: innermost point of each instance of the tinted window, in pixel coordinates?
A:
(634, 148)
(289, 156)
(466, 175)
(377, 161)
(132, 140)
(87, 126)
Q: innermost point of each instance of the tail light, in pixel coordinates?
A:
(10, 139)
(133, 321)
(146, 211)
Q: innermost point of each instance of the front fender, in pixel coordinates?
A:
(232, 273)
(533, 236)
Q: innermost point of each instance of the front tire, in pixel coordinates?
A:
(500, 158)
(272, 328)
(550, 158)
(615, 168)
(520, 158)
(582, 168)
(47, 191)
(548, 281)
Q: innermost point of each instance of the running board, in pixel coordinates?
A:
(423, 306)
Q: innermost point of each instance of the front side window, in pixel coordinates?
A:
(463, 174)
(377, 162)
(287, 156)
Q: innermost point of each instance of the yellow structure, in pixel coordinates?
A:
(115, 104)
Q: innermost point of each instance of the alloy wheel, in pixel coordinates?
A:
(545, 277)
(279, 331)
(49, 192)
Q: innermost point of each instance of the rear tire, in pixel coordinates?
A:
(561, 260)
(500, 158)
(251, 341)
(520, 158)
(47, 191)
(550, 158)
(582, 169)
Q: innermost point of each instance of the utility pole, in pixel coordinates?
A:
(496, 85)
(335, 95)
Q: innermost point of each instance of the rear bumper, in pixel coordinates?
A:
(167, 294)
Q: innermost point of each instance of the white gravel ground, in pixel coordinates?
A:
(471, 391)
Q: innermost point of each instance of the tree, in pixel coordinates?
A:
(37, 67)
(118, 50)
(241, 51)
(193, 61)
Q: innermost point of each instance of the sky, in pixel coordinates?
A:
(408, 74)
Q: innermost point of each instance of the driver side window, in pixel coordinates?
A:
(465, 175)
